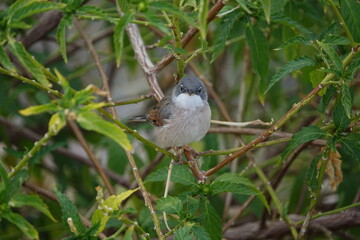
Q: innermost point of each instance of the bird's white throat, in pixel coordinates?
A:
(188, 101)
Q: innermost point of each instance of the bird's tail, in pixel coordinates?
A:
(138, 119)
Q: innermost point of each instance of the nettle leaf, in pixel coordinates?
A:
(34, 8)
(292, 24)
(119, 35)
(333, 56)
(306, 134)
(28, 61)
(311, 174)
(150, 16)
(169, 204)
(290, 67)
(336, 40)
(34, 110)
(69, 210)
(184, 232)
(180, 174)
(65, 22)
(350, 11)
(91, 121)
(223, 33)
(210, 219)
(94, 12)
(230, 182)
(266, 6)
(339, 116)
(202, 17)
(200, 233)
(325, 100)
(294, 40)
(259, 51)
(21, 223)
(351, 145)
(34, 201)
(170, 8)
(5, 60)
(124, 5)
(243, 5)
(346, 99)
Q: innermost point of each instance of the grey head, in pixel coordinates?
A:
(191, 85)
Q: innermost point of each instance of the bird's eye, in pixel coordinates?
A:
(198, 91)
(182, 88)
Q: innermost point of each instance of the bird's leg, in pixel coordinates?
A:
(189, 149)
(178, 151)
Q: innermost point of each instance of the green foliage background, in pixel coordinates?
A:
(292, 63)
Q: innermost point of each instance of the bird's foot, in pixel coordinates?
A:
(189, 149)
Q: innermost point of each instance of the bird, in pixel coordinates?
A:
(184, 116)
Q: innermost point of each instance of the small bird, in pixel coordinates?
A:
(184, 117)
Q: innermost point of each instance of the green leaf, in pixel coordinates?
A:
(333, 56)
(223, 33)
(65, 22)
(180, 174)
(169, 204)
(311, 175)
(170, 8)
(200, 233)
(57, 122)
(230, 182)
(243, 5)
(34, 8)
(350, 11)
(69, 210)
(129, 233)
(290, 67)
(259, 51)
(34, 110)
(35, 201)
(210, 219)
(119, 35)
(94, 12)
(292, 24)
(202, 17)
(306, 134)
(21, 223)
(339, 116)
(33, 66)
(184, 232)
(266, 6)
(351, 145)
(93, 122)
(5, 60)
(294, 40)
(325, 100)
(336, 40)
(346, 100)
(124, 5)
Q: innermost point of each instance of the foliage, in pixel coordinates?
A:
(296, 62)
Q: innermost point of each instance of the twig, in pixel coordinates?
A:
(194, 167)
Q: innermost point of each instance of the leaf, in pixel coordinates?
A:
(94, 12)
(200, 233)
(316, 76)
(230, 182)
(223, 33)
(169, 204)
(350, 11)
(351, 145)
(311, 175)
(333, 169)
(124, 6)
(21, 223)
(243, 5)
(34, 110)
(293, 40)
(93, 122)
(57, 122)
(336, 40)
(306, 134)
(339, 117)
(184, 232)
(290, 67)
(170, 8)
(69, 211)
(210, 219)
(35, 201)
(259, 51)
(34, 8)
(266, 6)
(292, 24)
(333, 56)
(330, 93)
(65, 22)
(180, 174)
(129, 233)
(346, 100)
(5, 60)
(28, 61)
(202, 18)
(110, 205)
(119, 35)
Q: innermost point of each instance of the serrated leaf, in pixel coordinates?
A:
(336, 40)
(34, 201)
(202, 17)
(200, 233)
(333, 56)
(94, 12)
(184, 232)
(33, 66)
(350, 11)
(351, 145)
(65, 22)
(69, 210)
(306, 134)
(330, 93)
(170, 8)
(259, 52)
(33, 110)
(119, 35)
(292, 24)
(230, 182)
(243, 5)
(316, 77)
(288, 68)
(150, 16)
(346, 100)
(210, 220)
(169, 204)
(180, 174)
(34, 8)
(5, 60)
(311, 174)
(124, 6)
(339, 116)
(223, 34)
(21, 223)
(266, 6)
(294, 40)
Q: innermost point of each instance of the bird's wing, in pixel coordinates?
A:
(161, 112)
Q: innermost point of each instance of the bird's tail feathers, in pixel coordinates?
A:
(138, 119)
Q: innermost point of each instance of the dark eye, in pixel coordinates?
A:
(198, 91)
(182, 88)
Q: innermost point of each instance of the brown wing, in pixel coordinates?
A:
(160, 112)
